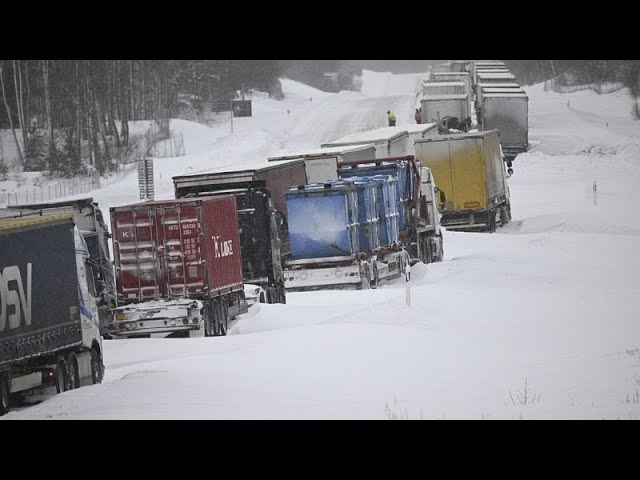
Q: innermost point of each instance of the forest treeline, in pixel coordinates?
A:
(69, 113)
(627, 72)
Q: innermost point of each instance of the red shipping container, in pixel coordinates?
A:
(176, 248)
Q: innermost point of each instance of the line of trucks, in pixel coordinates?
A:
(487, 88)
(356, 212)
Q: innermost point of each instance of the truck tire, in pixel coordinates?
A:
(5, 393)
(374, 276)
(282, 294)
(365, 281)
(62, 375)
(74, 371)
(97, 369)
(224, 317)
(208, 324)
(505, 214)
(215, 317)
(492, 220)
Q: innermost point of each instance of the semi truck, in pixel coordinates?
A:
(277, 177)
(421, 130)
(341, 154)
(367, 226)
(418, 218)
(178, 267)
(388, 141)
(260, 227)
(436, 107)
(507, 112)
(344, 234)
(90, 222)
(49, 326)
(480, 87)
(470, 174)
(441, 87)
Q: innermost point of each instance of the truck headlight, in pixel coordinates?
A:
(121, 316)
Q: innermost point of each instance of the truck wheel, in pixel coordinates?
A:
(374, 276)
(224, 317)
(366, 278)
(5, 393)
(74, 372)
(505, 214)
(215, 320)
(492, 221)
(62, 376)
(282, 294)
(97, 370)
(207, 321)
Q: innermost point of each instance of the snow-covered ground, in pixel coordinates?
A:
(549, 303)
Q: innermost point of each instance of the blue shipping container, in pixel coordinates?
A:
(369, 237)
(323, 220)
(401, 172)
(387, 205)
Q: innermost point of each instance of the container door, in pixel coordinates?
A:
(137, 272)
(321, 169)
(467, 171)
(179, 229)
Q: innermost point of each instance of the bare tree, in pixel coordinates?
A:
(6, 106)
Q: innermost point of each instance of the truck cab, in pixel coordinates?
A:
(52, 340)
(91, 225)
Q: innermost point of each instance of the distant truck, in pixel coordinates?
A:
(346, 153)
(507, 112)
(49, 333)
(90, 222)
(417, 131)
(480, 87)
(442, 87)
(436, 107)
(470, 174)
(178, 267)
(260, 226)
(388, 141)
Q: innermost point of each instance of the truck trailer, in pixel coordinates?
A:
(260, 227)
(418, 218)
(341, 154)
(471, 178)
(436, 107)
(49, 326)
(344, 234)
(480, 87)
(388, 141)
(90, 222)
(178, 267)
(507, 112)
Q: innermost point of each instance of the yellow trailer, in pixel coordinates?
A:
(469, 171)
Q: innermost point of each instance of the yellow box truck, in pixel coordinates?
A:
(469, 171)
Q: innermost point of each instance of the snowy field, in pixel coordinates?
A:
(537, 321)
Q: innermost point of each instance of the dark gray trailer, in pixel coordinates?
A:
(90, 222)
(260, 226)
(49, 333)
(509, 114)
